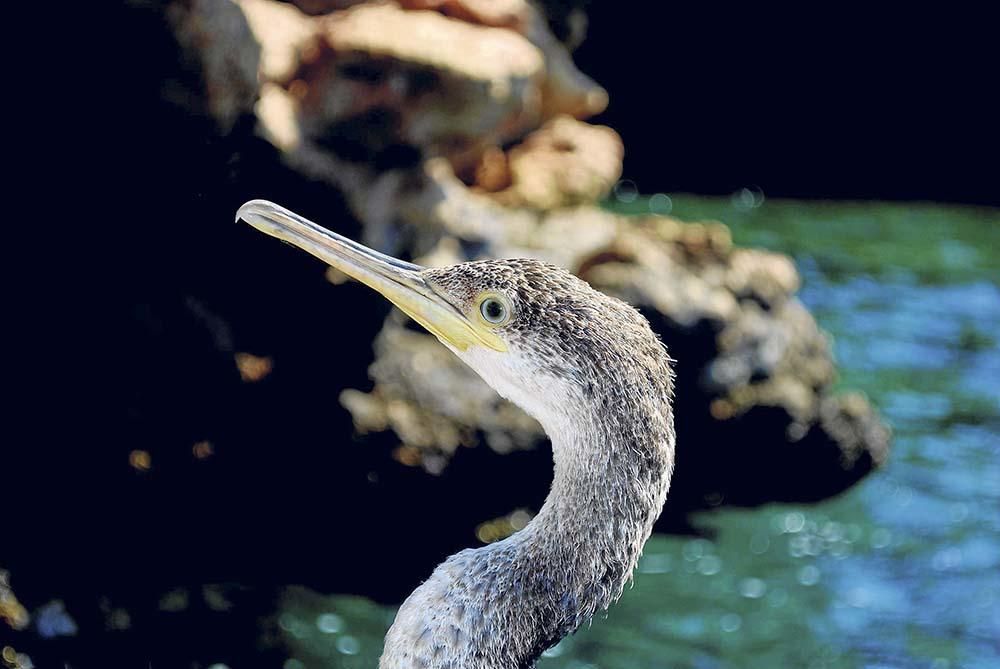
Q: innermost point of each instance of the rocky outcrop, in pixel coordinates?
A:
(562, 164)
(454, 131)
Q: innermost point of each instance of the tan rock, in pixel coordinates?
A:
(386, 77)
(765, 277)
(284, 34)
(429, 39)
(377, 76)
(565, 162)
(276, 118)
(566, 90)
(856, 428)
(415, 396)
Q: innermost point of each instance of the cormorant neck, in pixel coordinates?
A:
(611, 474)
(502, 605)
(610, 478)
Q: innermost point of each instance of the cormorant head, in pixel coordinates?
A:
(539, 335)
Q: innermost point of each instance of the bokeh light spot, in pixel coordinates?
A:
(625, 191)
(809, 575)
(731, 622)
(753, 588)
(329, 623)
(348, 645)
(661, 204)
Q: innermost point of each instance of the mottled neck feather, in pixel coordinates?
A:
(502, 605)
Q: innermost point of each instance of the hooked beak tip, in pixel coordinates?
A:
(253, 206)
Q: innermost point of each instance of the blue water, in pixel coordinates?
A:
(901, 571)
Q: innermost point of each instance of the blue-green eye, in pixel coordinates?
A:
(493, 310)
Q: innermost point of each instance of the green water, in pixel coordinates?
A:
(901, 571)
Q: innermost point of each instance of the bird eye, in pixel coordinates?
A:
(493, 310)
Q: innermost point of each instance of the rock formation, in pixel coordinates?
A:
(454, 130)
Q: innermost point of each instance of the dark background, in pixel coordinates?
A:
(812, 102)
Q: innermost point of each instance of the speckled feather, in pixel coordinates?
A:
(598, 379)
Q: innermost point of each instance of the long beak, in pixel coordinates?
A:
(400, 282)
